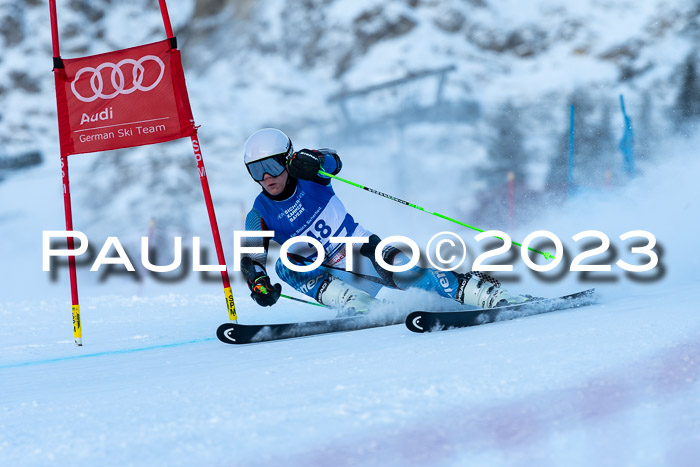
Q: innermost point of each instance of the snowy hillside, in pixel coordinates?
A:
(275, 62)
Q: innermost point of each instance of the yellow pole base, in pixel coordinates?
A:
(77, 330)
(230, 304)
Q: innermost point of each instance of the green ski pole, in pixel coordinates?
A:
(302, 301)
(398, 200)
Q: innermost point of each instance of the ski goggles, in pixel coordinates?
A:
(273, 165)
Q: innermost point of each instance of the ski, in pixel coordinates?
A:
(428, 321)
(234, 333)
(417, 321)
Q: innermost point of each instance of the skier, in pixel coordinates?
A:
(297, 201)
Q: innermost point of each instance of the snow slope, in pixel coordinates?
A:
(616, 383)
(613, 384)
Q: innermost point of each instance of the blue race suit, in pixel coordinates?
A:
(311, 208)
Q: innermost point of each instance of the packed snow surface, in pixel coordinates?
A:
(615, 382)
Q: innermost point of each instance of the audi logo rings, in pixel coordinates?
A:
(117, 77)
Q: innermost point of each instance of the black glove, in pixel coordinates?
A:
(305, 164)
(263, 292)
(261, 289)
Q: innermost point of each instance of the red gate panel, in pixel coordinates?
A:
(121, 99)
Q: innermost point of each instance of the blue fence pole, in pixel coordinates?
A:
(571, 153)
(627, 143)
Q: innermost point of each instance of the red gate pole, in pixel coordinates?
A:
(77, 330)
(166, 19)
(57, 69)
(205, 189)
(214, 228)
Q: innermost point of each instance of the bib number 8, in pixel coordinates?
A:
(323, 229)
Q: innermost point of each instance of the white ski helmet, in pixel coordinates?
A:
(266, 151)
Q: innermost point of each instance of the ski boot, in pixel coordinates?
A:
(348, 300)
(479, 289)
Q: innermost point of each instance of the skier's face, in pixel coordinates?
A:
(274, 185)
